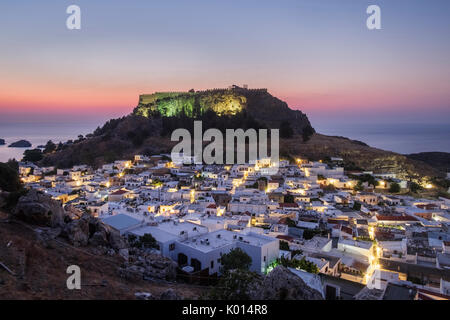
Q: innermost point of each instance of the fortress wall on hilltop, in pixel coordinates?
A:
(149, 98)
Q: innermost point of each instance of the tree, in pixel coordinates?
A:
(358, 187)
(289, 198)
(329, 187)
(310, 233)
(302, 264)
(128, 171)
(9, 178)
(49, 147)
(284, 246)
(394, 188)
(12, 163)
(235, 259)
(32, 155)
(133, 240)
(286, 132)
(234, 285)
(157, 183)
(368, 178)
(296, 252)
(357, 206)
(10, 182)
(414, 187)
(290, 222)
(307, 132)
(253, 185)
(147, 241)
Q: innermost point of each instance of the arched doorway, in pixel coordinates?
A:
(196, 264)
(182, 260)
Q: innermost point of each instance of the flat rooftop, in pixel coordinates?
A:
(359, 244)
(159, 235)
(167, 231)
(316, 243)
(121, 221)
(221, 238)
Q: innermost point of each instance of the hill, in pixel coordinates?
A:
(256, 104)
(40, 270)
(438, 160)
(358, 156)
(147, 131)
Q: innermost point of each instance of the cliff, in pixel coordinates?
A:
(258, 104)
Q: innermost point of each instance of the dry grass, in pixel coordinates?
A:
(366, 157)
(44, 271)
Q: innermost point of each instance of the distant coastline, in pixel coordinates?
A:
(404, 138)
(20, 144)
(38, 134)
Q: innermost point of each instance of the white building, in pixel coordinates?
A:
(122, 223)
(355, 247)
(205, 251)
(168, 233)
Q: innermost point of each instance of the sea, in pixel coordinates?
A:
(402, 138)
(38, 134)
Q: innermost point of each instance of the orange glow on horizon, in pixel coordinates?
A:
(70, 98)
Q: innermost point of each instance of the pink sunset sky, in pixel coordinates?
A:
(319, 57)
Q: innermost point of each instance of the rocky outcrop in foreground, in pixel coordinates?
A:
(282, 284)
(39, 259)
(80, 229)
(143, 264)
(2, 142)
(88, 230)
(3, 198)
(40, 209)
(169, 294)
(279, 284)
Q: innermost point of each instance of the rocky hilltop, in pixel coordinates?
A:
(258, 104)
(147, 131)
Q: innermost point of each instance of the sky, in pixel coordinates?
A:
(317, 55)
